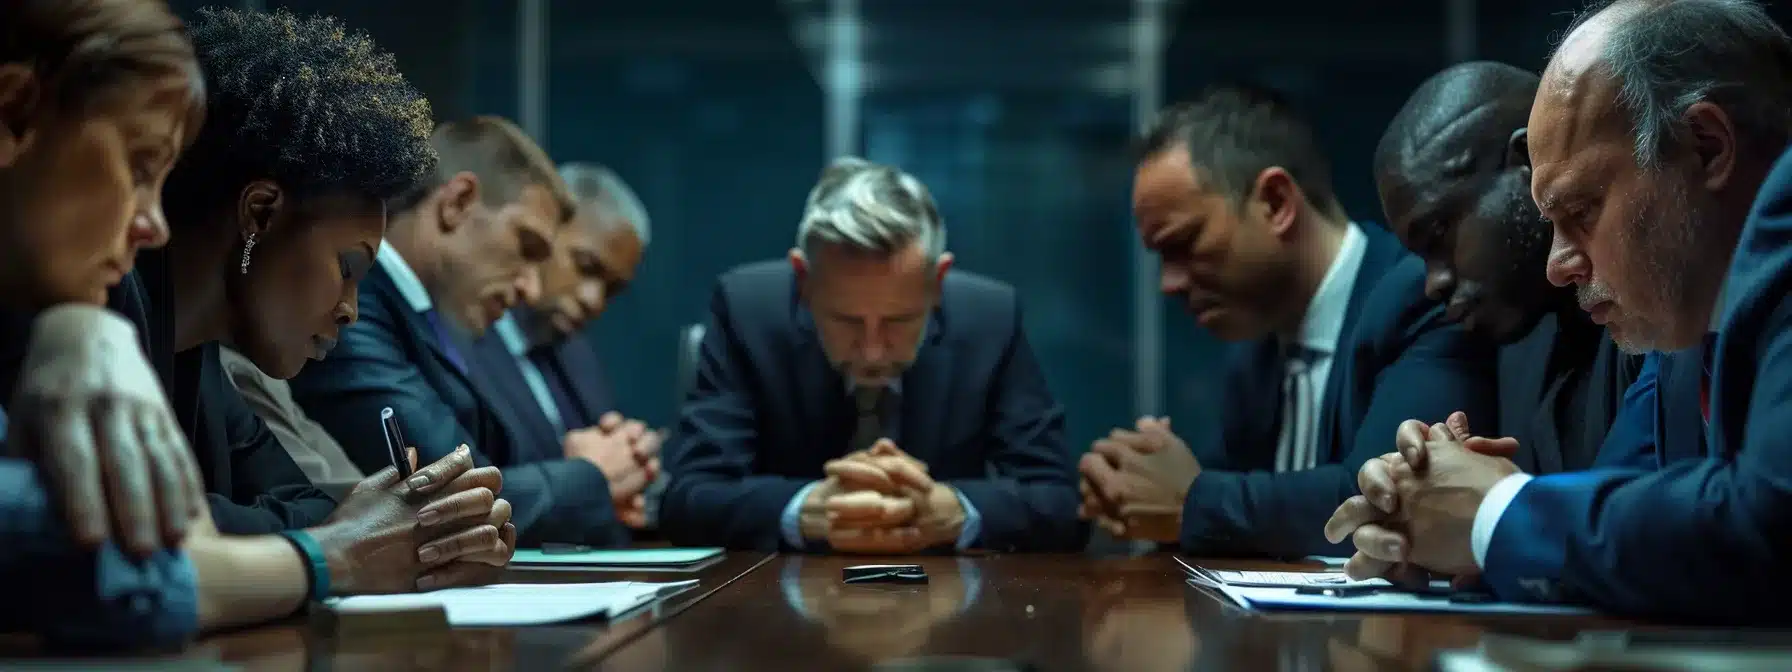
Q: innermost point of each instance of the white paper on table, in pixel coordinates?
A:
(1330, 562)
(1286, 579)
(516, 604)
(1393, 600)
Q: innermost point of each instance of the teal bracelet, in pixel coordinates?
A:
(317, 566)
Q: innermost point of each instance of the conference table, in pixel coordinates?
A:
(757, 611)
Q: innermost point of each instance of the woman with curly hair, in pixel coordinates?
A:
(276, 211)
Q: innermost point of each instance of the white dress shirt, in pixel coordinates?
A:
(1297, 444)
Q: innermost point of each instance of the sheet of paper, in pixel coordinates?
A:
(517, 604)
(1285, 579)
(1329, 561)
(628, 557)
(1272, 599)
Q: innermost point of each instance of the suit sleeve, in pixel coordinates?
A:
(1031, 503)
(1437, 370)
(370, 369)
(1699, 539)
(712, 496)
(264, 479)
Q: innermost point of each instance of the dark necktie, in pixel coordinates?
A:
(572, 415)
(445, 339)
(868, 401)
(1710, 346)
(1295, 449)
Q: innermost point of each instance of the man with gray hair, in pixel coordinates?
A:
(860, 397)
(539, 351)
(1653, 133)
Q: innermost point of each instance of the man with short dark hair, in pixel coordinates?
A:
(1652, 137)
(462, 249)
(1334, 340)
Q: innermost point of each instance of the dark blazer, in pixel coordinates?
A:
(1699, 538)
(768, 411)
(1565, 376)
(1396, 359)
(1662, 420)
(390, 357)
(254, 486)
(588, 386)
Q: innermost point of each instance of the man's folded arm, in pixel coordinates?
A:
(712, 495)
(1697, 539)
(1031, 502)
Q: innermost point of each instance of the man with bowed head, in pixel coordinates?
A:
(1654, 129)
(858, 396)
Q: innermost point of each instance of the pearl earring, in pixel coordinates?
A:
(247, 246)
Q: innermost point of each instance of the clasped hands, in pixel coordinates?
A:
(881, 500)
(1416, 513)
(1135, 482)
(628, 454)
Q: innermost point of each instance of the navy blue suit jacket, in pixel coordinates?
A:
(1663, 420)
(1566, 365)
(1396, 359)
(589, 386)
(767, 411)
(1698, 539)
(390, 357)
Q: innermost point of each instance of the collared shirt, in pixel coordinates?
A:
(409, 285)
(1318, 336)
(518, 346)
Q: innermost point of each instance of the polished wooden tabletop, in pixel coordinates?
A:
(1015, 612)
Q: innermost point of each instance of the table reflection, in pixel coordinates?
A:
(1389, 642)
(880, 621)
(1131, 623)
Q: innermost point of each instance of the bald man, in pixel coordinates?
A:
(1455, 178)
(1652, 134)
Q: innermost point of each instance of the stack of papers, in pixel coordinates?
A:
(1281, 591)
(516, 604)
(622, 558)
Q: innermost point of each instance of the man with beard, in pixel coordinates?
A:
(1334, 340)
(1651, 135)
(858, 397)
(539, 351)
(1455, 177)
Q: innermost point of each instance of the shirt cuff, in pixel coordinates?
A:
(791, 523)
(1487, 517)
(973, 522)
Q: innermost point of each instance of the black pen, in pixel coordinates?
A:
(395, 446)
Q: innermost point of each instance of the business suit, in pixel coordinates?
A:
(1395, 359)
(392, 357)
(1561, 388)
(768, 411)
(1697, 539)
(85, 600)
(570, 361)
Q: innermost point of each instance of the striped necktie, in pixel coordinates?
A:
(1295, 447)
